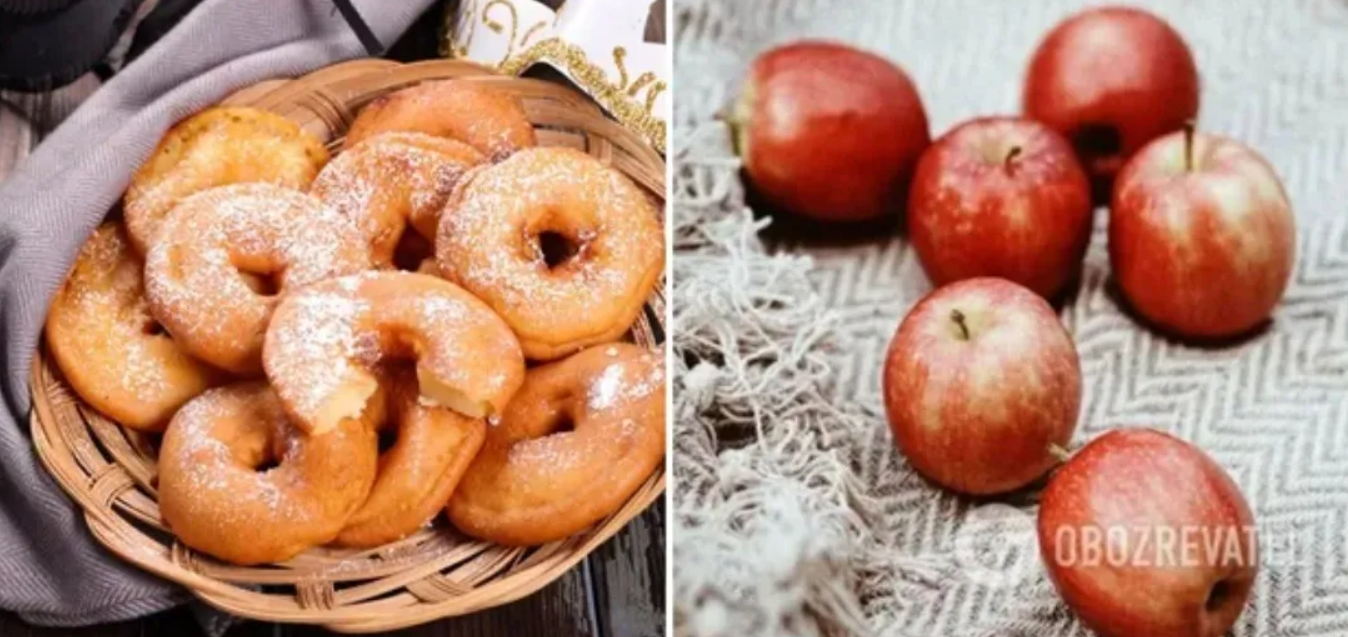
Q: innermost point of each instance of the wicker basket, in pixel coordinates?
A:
(436, 573)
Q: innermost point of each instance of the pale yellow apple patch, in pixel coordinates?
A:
(949, 186)
(1264, 183)
(983, 382)
(1239, 200)
(1232, 195)
(785, 117)
(1016, 212)
(929, 418)
(1175, 213)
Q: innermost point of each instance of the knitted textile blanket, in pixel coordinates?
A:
(794, 513)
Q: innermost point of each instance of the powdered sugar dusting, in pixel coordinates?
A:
(97, 331)
(220, 478)
(216, 147)
(488, 243)
(311, 343)
(557, 454)
(530, 478)
(490, 120)
(215, 498)
(391, 180)
(625, 380)
(329, 333)
(192, 273)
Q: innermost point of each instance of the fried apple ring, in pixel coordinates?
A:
(216, 147)
(491, 242)
(192, 274)
(325, 341)
(419, 472)
(490, 120)
(392, 180)
(534, 482)
(100, 332)
(217, 498)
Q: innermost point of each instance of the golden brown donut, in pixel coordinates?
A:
(490, 120)
(325, 341)
(419, 472)
(392, 180)
(218, 146)
(192, 273)
(219, 497)
(101, 334)
(536, 482)
(490, 242)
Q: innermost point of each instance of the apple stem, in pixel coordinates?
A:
(958, 317)
(1189, 146)
(1059, 453)
(733, 124)
(1009, 163)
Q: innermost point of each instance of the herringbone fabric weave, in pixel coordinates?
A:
(796, 515)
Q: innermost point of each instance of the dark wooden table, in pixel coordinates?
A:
(618, 591)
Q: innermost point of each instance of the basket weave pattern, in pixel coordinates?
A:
(435, 573)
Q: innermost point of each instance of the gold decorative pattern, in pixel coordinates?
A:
(572, 59)
(651, 95)
(496, 26)
(453, 28)
(624, 98)
(642, 81)
(620, 61)
(532, 31)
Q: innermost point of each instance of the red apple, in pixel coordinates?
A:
(1112, 79)
(980, 382)
(1143, 534)
(829, 132)
(1201, 236)
(1002, 197)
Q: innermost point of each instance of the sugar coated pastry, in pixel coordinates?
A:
(192, 274)
(103, 338)
(391, 181)
(221, 494)
(536, 482)
(337, 351)
(488, 119)
(325, 341)
(417, 474)
(218, 146)
(493, 233)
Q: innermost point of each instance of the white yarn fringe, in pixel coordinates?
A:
(772, 531)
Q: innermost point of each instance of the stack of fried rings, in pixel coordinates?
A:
(250, 309)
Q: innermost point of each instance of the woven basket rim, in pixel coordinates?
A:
(431, 575)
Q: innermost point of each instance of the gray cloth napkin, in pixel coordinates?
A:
(51, 570)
